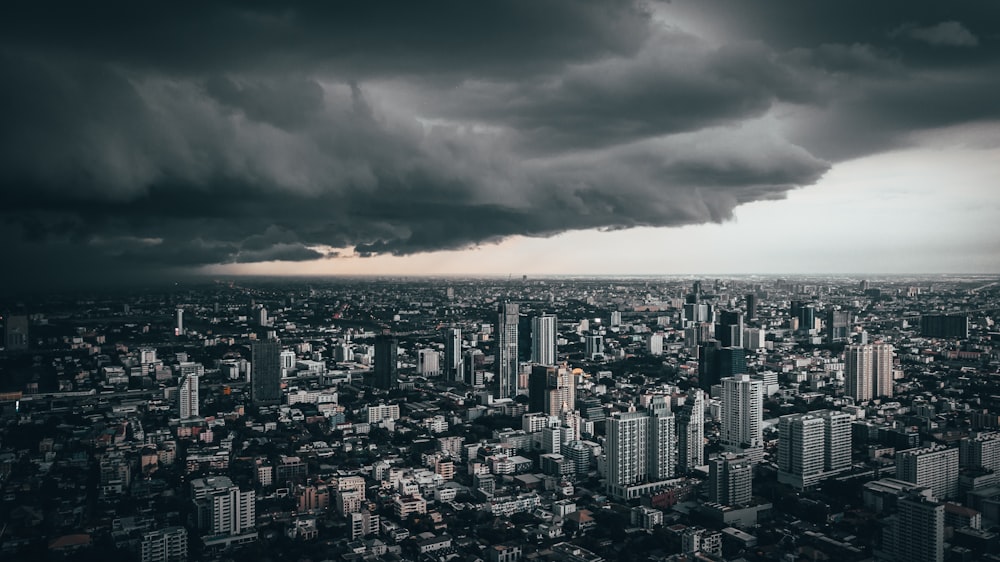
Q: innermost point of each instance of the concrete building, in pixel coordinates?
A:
(551, 390)
(730, 480)
(265, 374)
(916, 532)
(506, 354)
(164, 545)
(543, 339)
(932, 467)
(691, 431)
(742, 412)
(428, 363)
(868, 371)
(981, 450)
(189, 397)
(812, 447)
(386, 362)
(453, 354)
(223, 510)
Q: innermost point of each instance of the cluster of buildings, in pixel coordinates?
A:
(588, 419)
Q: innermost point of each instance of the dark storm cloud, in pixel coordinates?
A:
(139, 139)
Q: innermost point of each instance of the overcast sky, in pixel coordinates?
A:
(498, 137)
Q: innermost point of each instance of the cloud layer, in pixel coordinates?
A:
(217, 132)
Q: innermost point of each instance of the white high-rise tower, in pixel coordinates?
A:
(742, 414)
(189, 397)
(543, 339)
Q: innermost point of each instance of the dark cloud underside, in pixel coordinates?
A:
(143, 139)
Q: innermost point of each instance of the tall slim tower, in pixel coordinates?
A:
(882, 369)
(189, 397)
(543, 339)
(386, 361)
(265, 374)
(742, 413)
(730, 479)
(551, 389)
(662, 448)
(916, 532)
(691, 431)
(179, 328)
(506, 365)
(453, 354)
(627, 441)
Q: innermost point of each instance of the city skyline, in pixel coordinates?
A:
(515, 138)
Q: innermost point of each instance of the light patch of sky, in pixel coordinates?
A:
(934, 209)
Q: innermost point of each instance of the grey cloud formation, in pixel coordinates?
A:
(217, 132)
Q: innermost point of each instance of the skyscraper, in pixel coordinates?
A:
(594, 347)
(386, 361)
(868, 371)
(751, 306)
(179, 328)
(716, 363)
(662, 447)
(16, 332)
(428, 362)
(628, 440)
(453, 354)
(265, 374)
(729, 328)
(506, 362)
(730, 479)
(189, 397)
(222, 509)
(691, 431)
(742, 413)
(812, 447)
(543, 339)
(837, 325)
(551, 389)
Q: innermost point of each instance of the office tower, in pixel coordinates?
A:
(472, 366)
(730, 479)
(16, 332)
(386, 361)
(916, 532)
(261, 316)
(169, 544)
(453, 354)
(265, 374)
(732, 362)
(179, 329)
(221, 508)
(627, 436)
(691, 431)
(753, 339)
(708, 365)
(189, 397)
(812, 447)
(795, 310)
(868, 371)
(543, 339)
(742, 412)
(981, 450)
(944, 326)
(807, 318)
(751, 306)
(428, 362)
(729, 329)
(932, 467)
(594, 347)
(551, 390)
(662, 447)
(837, 325)
(506, 362)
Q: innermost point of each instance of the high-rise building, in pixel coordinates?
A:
(472, 367)
(812, 447)
(506, 361)
(691, 431)
(641, 448)
(932, 467)
(742, 412)
(716, 363)
(386, 361)
(179, 328)
(189, 397)
(265, 374)
(916, 532)
(729, 328)
(428, 362)
(868, 371)
(453, 354)
(543, 339)
(261, 316)
(730, 480)
(662, 448)
(551, 390)
(221, 508)
(751, 306)
(594, 347)
(807, 318)
(837, 325)
(981, 450)
(15, 332)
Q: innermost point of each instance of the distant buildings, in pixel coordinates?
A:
(265, 374)
(944, 326)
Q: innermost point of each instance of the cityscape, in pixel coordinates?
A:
(632, 418)
(500, 281)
